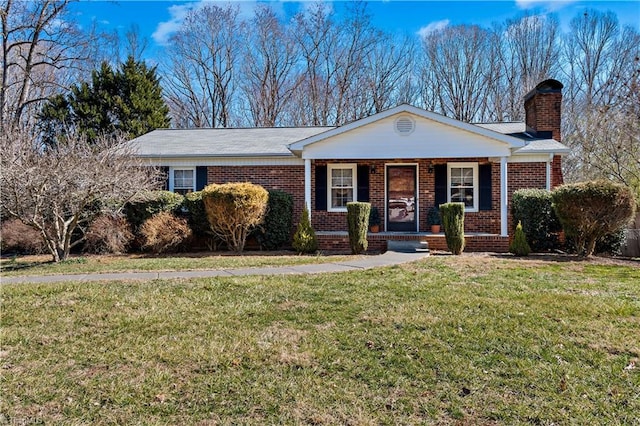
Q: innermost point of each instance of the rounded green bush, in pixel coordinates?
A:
(233, 210)
(590, 210)
(533, 208)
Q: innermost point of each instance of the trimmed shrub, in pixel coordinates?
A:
(452, 216)
(17, 237)
(519, 245)
(275, 232)
(534, 209)
(108, 234)
(305, 240)
(164, 232)
(358, 223)
(612, 243)
(233, 210)
(150, 203)
(193, 209)
(590, 210)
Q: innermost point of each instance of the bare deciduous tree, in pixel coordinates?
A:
(40, 47)
(54, 190)
(527, 51)
(458, 60)
(269, 69)
(601, 105)
(316, 36)
(201, 77)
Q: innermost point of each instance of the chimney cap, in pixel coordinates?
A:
(547, 86)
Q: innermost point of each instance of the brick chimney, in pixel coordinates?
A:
(543, 107)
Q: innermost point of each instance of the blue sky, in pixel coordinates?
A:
(157, 19)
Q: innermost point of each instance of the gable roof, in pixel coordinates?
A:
(239, 142)
(512, 142)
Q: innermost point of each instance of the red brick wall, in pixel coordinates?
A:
(543, 112)
(291, 179)
(556, 172)
(285, 178)
(482, 221)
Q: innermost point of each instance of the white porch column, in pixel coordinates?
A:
(307, 185)
(549, 172)
(503, 198)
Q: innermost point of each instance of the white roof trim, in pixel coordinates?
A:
(543, 146)
(298, 147)
(224, 161)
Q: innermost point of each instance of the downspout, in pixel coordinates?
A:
(549, 171)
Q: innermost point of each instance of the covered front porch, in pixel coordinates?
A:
(338, 241)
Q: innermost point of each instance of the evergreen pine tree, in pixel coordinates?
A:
(127, 100)
(519, 245)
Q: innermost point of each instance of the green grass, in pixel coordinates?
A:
(447, 340)
(42, 265)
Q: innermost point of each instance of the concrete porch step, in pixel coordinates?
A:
(407, 246)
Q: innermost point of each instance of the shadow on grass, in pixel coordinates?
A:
(564, 258)
(12, 265)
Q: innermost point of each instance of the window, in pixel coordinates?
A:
(341, 186)
(463, 185)
(182, 181)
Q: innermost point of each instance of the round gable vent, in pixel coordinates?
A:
(405, 125)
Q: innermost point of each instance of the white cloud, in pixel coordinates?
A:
(549, 5)
(433, 27)
(178, 12)
(164, 30)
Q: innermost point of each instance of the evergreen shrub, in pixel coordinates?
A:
(305, 239)
(150, 203)
(275, 232)
(452, 216)
(533, 208)
(358, 224)
(519, 245)
(233, 210)
(588, 211)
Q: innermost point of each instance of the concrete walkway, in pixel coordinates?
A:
(388, 258)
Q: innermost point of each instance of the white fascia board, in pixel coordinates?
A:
(224, 161)
(531, 158)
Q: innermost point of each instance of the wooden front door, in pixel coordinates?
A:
(402, 205)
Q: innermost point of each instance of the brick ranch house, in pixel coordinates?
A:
(403, 161)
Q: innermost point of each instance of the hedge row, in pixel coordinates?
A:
(173, 223)
(592, 214)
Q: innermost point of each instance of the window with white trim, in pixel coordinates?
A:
(341, 186)
(463, 185)
(182, 180)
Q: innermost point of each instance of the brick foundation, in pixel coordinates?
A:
(338, 242)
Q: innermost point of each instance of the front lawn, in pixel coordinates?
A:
(447, 340)
(42, 265)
